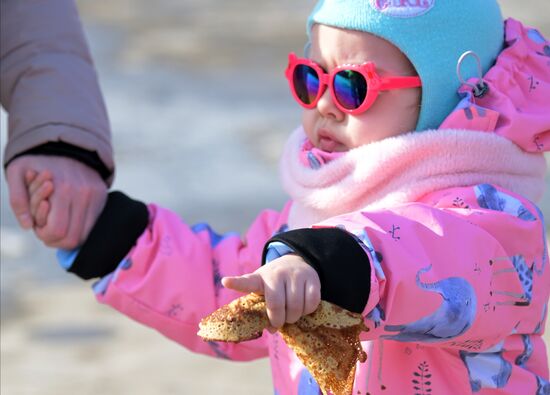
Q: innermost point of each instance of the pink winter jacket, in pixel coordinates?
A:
(452, 247)
(48, 84)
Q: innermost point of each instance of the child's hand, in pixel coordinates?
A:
(40, 188)
(291, 288)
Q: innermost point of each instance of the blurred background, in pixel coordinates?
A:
(199, 109)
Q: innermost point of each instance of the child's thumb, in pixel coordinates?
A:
(247, 283)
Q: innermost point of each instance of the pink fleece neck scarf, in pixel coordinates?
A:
(402, 169)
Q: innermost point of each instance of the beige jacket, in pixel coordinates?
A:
(48, 84)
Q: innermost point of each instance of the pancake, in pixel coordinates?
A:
(326, 341)
(243, 319)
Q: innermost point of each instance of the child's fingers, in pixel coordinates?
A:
(312, 296)
(275, 300)
(41, 216)
(41, 194)
(42, 177)
(275, 304)
(47, 189)
(30, 175)
(247, 283)
(294, 304)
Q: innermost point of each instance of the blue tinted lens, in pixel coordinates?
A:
(350, 89)
(306, 83)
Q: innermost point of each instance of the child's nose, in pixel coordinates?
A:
(327, 108)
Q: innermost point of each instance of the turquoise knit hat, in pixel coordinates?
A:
(433, 34)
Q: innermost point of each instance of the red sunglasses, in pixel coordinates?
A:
(353, 88)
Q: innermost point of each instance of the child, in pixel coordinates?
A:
(409, 205)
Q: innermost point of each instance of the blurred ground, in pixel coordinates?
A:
(193, 131)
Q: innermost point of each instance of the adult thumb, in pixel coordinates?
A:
(19, 197)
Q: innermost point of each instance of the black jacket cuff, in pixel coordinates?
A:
(60, 148)
(341, 263)
(118, 227)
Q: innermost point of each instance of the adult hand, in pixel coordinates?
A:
(78, 198)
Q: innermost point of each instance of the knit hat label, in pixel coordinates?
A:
(403, 8)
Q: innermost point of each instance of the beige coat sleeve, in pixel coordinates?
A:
(48, 84)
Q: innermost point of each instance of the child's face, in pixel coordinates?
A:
(394, 112)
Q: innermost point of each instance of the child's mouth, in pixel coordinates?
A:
(327, 144)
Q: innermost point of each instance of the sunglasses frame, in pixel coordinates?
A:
(375, 83)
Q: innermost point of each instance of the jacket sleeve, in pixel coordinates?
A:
(49, 86)
(171, 277)
(461, 267)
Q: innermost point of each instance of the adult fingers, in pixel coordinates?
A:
(19, 198)
(79, 196)
(60, 214)
(248, 283)
(40, 195)
(73, 237)
(41, 216)
(93, 210)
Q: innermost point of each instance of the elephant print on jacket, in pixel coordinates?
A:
(487, 369)
(453, 317)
